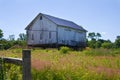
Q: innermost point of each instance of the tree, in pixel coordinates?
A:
(91, 43)
(91, 35)
(98, 35)
(98, 44)
(101, 40)
(22, 37)
(117, 42)
(94, 35)
(1, 33)
(11, 37)
(107, 45)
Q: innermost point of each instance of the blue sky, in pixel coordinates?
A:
(101, 16)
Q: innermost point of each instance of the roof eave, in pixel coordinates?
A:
(74, 28)
(28, 26)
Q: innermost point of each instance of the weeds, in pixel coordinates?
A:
(102, 52)
(50, 64)
(64, 50)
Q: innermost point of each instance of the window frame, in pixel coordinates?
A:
(41, 17)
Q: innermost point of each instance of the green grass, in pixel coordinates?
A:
(89, 64)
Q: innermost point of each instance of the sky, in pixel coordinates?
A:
(102, 16)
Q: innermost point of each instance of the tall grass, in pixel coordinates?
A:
(102, 52)
(12, 72)
(90, 64)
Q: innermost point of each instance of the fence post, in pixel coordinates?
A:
(26, 64)
(1, 70)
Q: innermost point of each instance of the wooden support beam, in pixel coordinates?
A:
(16, 61)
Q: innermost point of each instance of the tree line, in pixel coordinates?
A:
(96, 42)
(93, 41)
(11, 42)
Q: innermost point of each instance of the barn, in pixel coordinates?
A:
(46, 30)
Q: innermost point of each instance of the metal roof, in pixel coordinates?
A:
(59, 21)
(63, 22)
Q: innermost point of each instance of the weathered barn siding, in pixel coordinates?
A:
(49, 30)
(42, 32)
(69, 36)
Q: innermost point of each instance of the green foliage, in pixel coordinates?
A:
(20, 43)
(91, 43)
(107, 45)
(64, 50)
(22, 37)
(12, 72)
(51, 74)
(1, 33)
(117, 42)
(101, 43)
(1, 69)
(102, 52)
(12, 44)
(90, 64)
(97, 52)
(5, 44)
(98, 35)
(95, 42)
(76, 66)
(98, 44)
(91, 35)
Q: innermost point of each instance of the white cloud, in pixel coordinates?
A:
(103, 33)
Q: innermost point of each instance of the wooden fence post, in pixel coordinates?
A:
(1, 69)
(26, 64)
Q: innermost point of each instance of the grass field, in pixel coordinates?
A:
(51, 64)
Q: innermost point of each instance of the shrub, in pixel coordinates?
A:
(64, 49)
(116, 51)
(107, 45)
(98, 44)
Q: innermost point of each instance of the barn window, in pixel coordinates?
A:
(32, 36)
(41, 35)
(49, 35)
(40, 17)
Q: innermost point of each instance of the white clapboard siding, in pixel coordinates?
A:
(45, 29)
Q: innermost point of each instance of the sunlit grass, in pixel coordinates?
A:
(90, 64)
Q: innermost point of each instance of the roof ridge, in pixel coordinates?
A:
(63, 22)
(59, 21)
(57, 17)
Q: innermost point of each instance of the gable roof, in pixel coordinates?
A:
(60, 22)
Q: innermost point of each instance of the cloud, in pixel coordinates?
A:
(103, 33)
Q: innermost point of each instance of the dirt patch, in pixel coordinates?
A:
(38, 64)
(104, 70)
